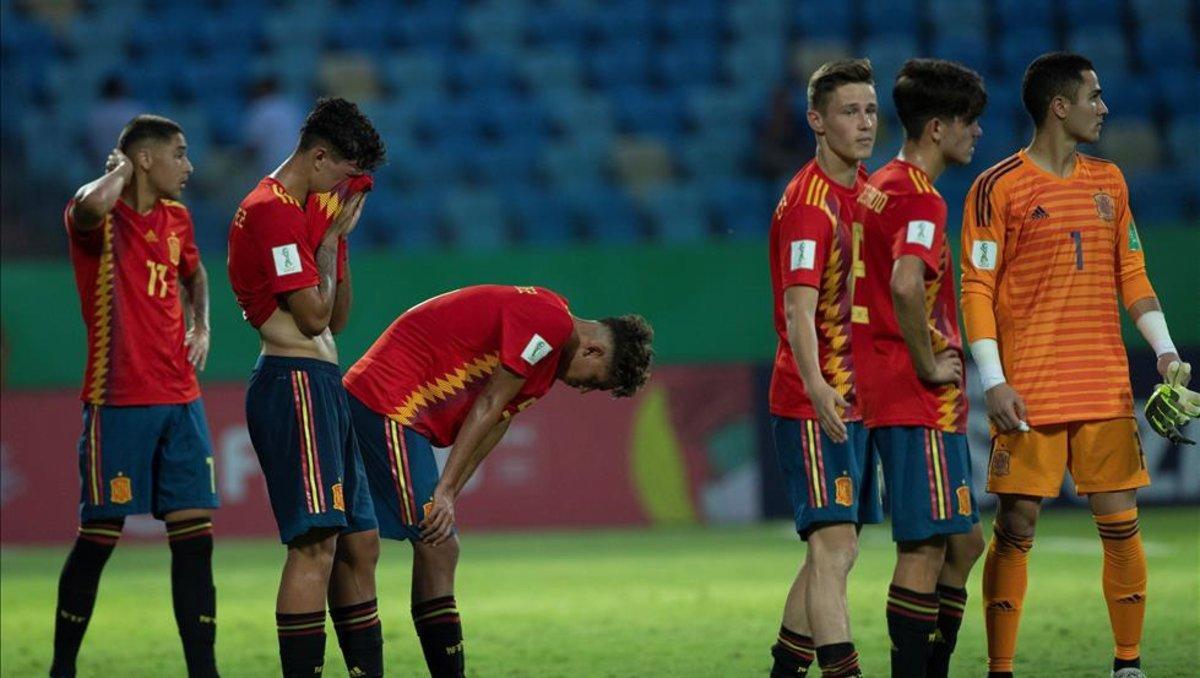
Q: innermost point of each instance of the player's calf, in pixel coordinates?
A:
(962, 551)
(300, 609)
(434, 609)
(192, 590)
(912, 604)
(353, 606)
(833, 550)
(77, 588)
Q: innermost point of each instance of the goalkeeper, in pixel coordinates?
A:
(1049, 244)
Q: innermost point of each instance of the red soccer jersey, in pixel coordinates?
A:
(903, 214)
(426, 370)
(811, 236)
(127, 272)
(273, 243)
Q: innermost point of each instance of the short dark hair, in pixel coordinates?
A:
(934, 88)
(632, 353)
(832, 75)
(146, 126)
(1057, 74)
(340, 124)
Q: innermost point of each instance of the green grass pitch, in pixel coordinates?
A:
(667, 602)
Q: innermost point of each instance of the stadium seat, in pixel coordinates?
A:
(491, 22)
(686, 64)
(1162, 12)
(751, 20)
(742, 208)
(605, 213)
(542, 218)
(475, 218)
(677, 213)
(1092, 13)
(414, 75)
(1105, 47)
(825, 20)
(970, 51)
(963, 19)
(1025, 16)
(718, 108)
(887, 54)
(888, 17)
(759, 64)
(550, 70)
(1183, 142)
(1157, 197)
(1021, 46)
(1170, 46)
(1133, 143)
(648, 111)
(714, 154)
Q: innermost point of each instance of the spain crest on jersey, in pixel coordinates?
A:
(120, 490)
(1105, 208)
(843, 491)
(339, 501)
(1001, 462)
(173, 249)
(964, 500)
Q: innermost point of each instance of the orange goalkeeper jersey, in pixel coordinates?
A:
(1044, 259)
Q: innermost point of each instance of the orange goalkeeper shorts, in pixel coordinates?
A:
(1103, 456)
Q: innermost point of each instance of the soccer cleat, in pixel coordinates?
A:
(1129, 672)
(1172, 405)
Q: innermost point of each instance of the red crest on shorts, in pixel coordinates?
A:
(964, 500)
(121, 490)
(843, 491)
(1104, 206)
(1000, 462)
(339, 502)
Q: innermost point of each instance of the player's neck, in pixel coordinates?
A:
(293, 178)
(1054, 151)
(925, 156)
(138, 195)
(841, 170)
(570, 347)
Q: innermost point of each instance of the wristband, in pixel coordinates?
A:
(987, 358)
(1153, 326)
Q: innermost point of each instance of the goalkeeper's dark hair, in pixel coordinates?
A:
(1057, 74)
(147, 127)
(926, 89)
(348, 132)
(632, 354)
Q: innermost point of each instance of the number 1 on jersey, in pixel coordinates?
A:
(1077, 236)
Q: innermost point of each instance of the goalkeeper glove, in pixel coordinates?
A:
(1173, 405)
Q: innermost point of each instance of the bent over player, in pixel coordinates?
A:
(1049, 243)
(452, 372)
(908, 358)
(287, 265)
(819, 436)
(145, 446)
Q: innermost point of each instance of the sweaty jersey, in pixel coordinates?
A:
(273, 243)
(904, 215)
(811, 246)
(1043, 260)
(428, 367)
(127, 272)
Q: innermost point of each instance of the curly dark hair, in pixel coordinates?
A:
(632, 353)
(934, 88)
(339, 123)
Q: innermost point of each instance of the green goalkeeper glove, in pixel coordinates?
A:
(1173, 405)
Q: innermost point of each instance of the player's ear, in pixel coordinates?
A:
(1058, 106)
(143, 157)
(815, 122)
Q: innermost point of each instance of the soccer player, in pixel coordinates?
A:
(1048, 245)
(452, 372)
(288, 268)
(819, 437)
(145, 446)
(908, 358)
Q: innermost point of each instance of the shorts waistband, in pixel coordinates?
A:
(275, 362)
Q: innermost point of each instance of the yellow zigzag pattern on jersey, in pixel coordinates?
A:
(445, 386)
(831, 325)
(102, 303)
(948, 407)
(329, 203)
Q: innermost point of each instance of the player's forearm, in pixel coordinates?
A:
(326, 257)
(341, 305)
(196, 286)
(1148, 316)
(96, 199)
(802, 339)
(470, 438)
(979, 315)
(914, 327)
(485, 448)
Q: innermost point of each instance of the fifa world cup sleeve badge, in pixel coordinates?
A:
(121, 490)
(843, 491)
(964, 500)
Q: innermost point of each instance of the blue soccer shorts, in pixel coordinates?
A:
(928, 478)
(145, 459)
(827, 482)
(401, 471)
(299, 422)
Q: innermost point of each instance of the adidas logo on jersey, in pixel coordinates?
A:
(1039, 213)
(151, 236)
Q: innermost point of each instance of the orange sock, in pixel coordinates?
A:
(1124, 579)
(1004, 581)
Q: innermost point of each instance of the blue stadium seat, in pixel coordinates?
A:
(491, 23)
(542, 217)
(430, 27)
(1162, 12)
(1024, 15)
(742, 207)
(1092, 13)
(550, 70)
(1157, 197)
(647, 111)
(751, 20)
(715, 154)
(580, 115)
(960, 18)
(887, 17)
(677, 213)
(625, 20)
(559, 28)
(969, 51)
(413, 221)
(1021, 46)
(887, 54)
(695, 20)
(1166, 45)
(1128, 96)
(1183, 143)
(686, 65)
(759, 63)
(568, 166)
(619, 64)
(815, 18)
(1105, 47)
(605, 213)
(497, 163)
(719, 108)
(415, 74)
(475, 218)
